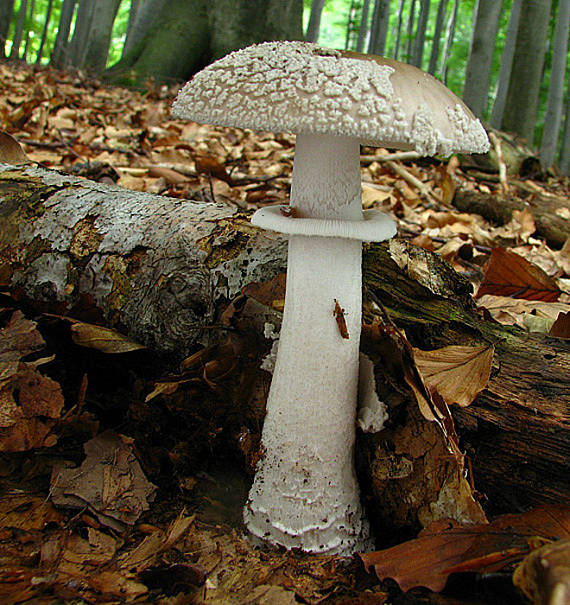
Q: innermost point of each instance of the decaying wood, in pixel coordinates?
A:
(163, 270)
(157, 268)
(551, 213)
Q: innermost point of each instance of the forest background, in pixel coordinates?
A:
(494, 54)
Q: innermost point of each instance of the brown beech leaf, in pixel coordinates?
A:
(109, 482)
(102, 339)
(457, 373)
(445, 548)
(207, 164)
(10, 150)
(561, 327)
(509, 274)
(19, 338)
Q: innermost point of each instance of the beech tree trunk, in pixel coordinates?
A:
(186, 35)
(419, 42)
(143, 21)
(44, 32)
(449, 36)
(19, 31)
(99, 37)
(398, 35)
(80, 39)
(28, 37)
(526, 72)
(163, 270)
(363, 29)
(379, 27)
(478, 72)
(314, 26)
(410, 31)
(6, 11)
(60, 54)
(434, 55)
(555, 103)
(506, 64)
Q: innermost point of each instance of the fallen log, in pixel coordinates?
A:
(162, 271)
(550, 212)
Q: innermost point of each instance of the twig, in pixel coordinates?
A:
(424, 190)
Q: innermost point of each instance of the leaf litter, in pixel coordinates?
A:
(104, 552)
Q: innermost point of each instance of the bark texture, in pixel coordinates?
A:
(6, 10)
(548, 212)
(161, 270)
(555, 103)
(186, 35)
(477, 76)
(526, 72)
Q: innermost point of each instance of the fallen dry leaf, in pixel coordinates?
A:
(458, 373)
(445, 548)
(30, 403)
(561, 327)
(101, 338)
(109, 482)
(508, 274)
(10, 150)
(512, 311)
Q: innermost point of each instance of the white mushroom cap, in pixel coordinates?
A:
(302, 88)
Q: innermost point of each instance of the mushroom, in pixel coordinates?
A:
(305, 493)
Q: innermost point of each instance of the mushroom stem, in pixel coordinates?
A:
(305, 494)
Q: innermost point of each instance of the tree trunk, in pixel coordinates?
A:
(145, 21)
(449, 35)
(19, 31)
(163, 270)
(81, 31)
(349, 25)
(398, 36)
(60, 54)
(506, 65)
(238, 24)
(28, 37)
(44, 32)
(100, 33)
(526, 72)
(419, 42)
(555, 103)
(188, 34)
(478, 72)
(564, 158)
(410, 31)
(6, 12)
(548, 212)
(379, 29)
(134, 12)
(363, 29)
(434, 55)
(314, 26)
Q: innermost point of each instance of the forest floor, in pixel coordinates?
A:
(136, 531)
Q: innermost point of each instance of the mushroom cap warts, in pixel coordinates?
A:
(302, 88)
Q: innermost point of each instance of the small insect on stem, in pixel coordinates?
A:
(289, 211)
(340, 320)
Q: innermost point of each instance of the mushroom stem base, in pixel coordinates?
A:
(305, 494)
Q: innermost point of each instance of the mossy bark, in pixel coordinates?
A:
(189, 34)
